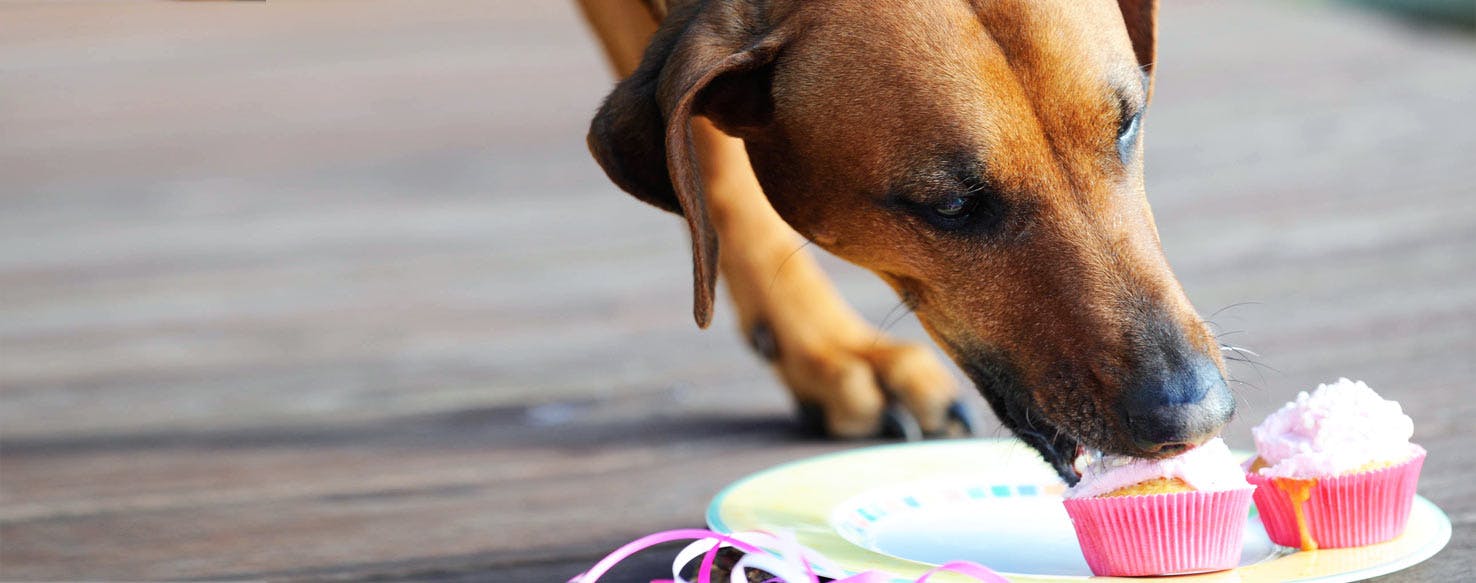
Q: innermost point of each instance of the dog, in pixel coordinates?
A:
(983, 157)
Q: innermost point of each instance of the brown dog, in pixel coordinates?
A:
(983, 157)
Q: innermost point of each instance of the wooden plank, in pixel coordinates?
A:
(348, 299)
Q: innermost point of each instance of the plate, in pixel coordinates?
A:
(905, 508)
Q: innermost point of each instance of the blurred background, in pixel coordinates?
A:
(334, 290)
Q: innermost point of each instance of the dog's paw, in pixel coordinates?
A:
(867, 386)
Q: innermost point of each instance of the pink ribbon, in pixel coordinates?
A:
(791, 558)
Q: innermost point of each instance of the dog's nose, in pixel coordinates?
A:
(1177, 409)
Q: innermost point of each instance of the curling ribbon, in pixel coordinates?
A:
(781, 556)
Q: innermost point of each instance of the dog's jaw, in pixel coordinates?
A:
(1056, 447)
(1012, 405)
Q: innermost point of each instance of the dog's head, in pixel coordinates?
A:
(984, 158)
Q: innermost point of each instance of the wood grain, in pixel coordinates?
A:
(332, 290)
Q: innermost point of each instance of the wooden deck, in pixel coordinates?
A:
(332, 290)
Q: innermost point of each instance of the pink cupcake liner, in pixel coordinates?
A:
(1161, 534)
(1342, 511)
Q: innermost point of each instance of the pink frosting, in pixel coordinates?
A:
(1207, 468)
(1336, 429)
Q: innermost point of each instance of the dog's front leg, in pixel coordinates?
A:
(832, 360)
(828, 356)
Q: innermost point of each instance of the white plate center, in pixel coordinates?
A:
(1011, 528)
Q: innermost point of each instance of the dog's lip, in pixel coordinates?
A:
(992, 375)
(1062, 457)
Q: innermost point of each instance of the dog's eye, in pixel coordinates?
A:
(954, 207)
(963, 203)
(1127, 134)
(971, 212)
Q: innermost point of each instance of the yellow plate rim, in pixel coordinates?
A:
(1429, 532)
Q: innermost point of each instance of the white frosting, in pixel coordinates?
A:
(1335, 430)
(1207, 468)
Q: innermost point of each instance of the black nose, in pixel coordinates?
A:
(1169, 411)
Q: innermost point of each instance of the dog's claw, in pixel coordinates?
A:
(967, 419)
(898, 422)
(811, 418)
(958, 421)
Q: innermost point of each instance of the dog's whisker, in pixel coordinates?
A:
(1243, 383)
(1245, 355)
(906, 309)
(1232, 306)
(1240, 401)
(1252, 362)
(1256, 366)
(882, 328)
(791, 255)
(1239, 349)
(1242, 355)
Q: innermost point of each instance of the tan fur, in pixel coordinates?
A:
(869, 98)
(826, 353)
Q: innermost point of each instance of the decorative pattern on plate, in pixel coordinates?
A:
(854, 522)
(821, 500)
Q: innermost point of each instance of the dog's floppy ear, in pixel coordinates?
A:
(708, 59)
(1141, 18)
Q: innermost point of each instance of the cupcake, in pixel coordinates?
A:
(1183, 514)
(1335, 468)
